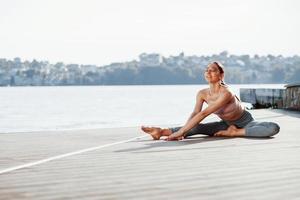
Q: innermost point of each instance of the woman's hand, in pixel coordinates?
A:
(175, 136)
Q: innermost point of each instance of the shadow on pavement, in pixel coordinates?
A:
(152, 144)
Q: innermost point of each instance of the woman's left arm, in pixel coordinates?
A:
(218, 104)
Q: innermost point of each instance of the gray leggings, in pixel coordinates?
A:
(253, 128)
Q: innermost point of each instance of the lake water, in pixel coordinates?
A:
(25, 109)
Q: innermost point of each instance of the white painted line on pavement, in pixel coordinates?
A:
(65, 155)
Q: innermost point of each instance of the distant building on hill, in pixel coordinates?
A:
(150, 60)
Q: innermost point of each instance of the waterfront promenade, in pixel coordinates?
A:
(124, 163)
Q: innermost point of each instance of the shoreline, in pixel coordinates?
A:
(81, 129)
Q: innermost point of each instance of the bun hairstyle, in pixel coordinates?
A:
(221, 69)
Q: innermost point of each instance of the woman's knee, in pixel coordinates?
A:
(274, 128)
(262, 129)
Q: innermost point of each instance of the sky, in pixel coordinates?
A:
(101, 32)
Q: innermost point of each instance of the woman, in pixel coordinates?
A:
(235, 120)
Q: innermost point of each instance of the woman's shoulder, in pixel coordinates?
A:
(203, 92)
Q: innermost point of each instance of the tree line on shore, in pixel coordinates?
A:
(152, 69)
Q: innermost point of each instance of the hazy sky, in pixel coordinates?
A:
(100, 32)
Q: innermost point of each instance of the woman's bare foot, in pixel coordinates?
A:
(156, 132)
(232, 131)
(153, 131)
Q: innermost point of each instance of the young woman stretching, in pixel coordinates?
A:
(235, 120)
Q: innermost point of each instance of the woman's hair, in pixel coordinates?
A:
(221, 69)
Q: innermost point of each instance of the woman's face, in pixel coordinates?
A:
(212, 73)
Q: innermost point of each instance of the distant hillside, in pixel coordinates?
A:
(152, 69)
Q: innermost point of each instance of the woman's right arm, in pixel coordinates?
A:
(198, 105)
